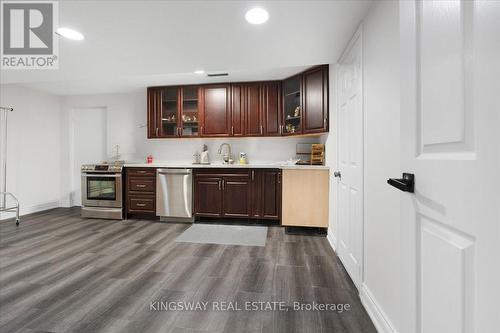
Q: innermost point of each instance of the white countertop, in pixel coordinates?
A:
(220, 165)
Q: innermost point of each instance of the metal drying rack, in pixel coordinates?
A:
(3, 193)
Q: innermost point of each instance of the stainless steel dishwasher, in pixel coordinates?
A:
(174, 195)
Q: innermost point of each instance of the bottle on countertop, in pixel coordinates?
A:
(243, 158)
(196, 158)
(204, 155)
(149, 159)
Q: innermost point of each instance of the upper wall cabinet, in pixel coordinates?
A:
(154, 105)
(292, 109)
(216, 111)
(173, 112)
(315, 92)
(189, 119)
(294, 106)
(271, 108)
(305, 99)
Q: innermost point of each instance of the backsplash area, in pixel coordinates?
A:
(258, 150)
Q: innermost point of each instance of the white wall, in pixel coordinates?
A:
(34, 148)
(381, 160)
(126, 126)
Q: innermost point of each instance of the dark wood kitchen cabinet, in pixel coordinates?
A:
(154, 106)
(222, 193)
(173, 112)
(216, 111)
(238, 193)
(253, 110)
(266, 193)
(305, 102)
(293, 106)
(316, 100)
(238, 109)
(236, 196)
(140, 191)
(271, 108)
(208, 196)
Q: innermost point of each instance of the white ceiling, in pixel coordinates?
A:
(133, 44)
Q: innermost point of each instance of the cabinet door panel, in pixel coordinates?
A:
(169, 115)
(253, 110)
(271, 108)
(315, 100)
(208, 196)
(154, 110)
(216, 111)
(236, 197)
(271, 194)
(238, 110)
(256, 193)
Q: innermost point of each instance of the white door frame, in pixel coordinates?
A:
(357, 36)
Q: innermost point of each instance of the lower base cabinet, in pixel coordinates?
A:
(238, 193)
(305, 198)
(140, 191)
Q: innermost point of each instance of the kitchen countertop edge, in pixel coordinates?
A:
(232, 166)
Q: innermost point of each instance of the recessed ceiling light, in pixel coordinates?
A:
(69, 33)
(199, 71)
(257, 15)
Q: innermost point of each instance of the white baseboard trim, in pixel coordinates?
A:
(65, 203)
(24, 210)
(332, 240)
(377, 315)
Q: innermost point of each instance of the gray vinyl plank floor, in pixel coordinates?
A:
(62, 273)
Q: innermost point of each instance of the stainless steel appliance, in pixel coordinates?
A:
(102, 195)
(174, 195)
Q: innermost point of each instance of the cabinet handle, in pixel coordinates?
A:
(140, 185)
(141, 171)
(324, 123)
(253, 175)
(261, 129)
(219, 185)
(223, 184)
(201, 130)
(232, 130)
(140, 204)
(179, 131)
(157, 131)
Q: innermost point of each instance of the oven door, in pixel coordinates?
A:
(102, 190)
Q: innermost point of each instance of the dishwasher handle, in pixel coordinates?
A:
(175, 171)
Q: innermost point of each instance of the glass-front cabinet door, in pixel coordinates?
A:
(169, 112)
(292, 105)
(189, 111)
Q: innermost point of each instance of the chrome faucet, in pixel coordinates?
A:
(226, 158)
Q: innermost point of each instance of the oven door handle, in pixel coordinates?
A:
(101, 175)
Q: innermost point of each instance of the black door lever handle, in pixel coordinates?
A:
(406, 184)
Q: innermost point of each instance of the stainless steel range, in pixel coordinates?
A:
(102, 195)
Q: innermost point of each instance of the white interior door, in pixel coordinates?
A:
(450, 141)
(88, 146)
(350, 160)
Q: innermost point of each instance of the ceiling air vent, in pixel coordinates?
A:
(217, 74)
